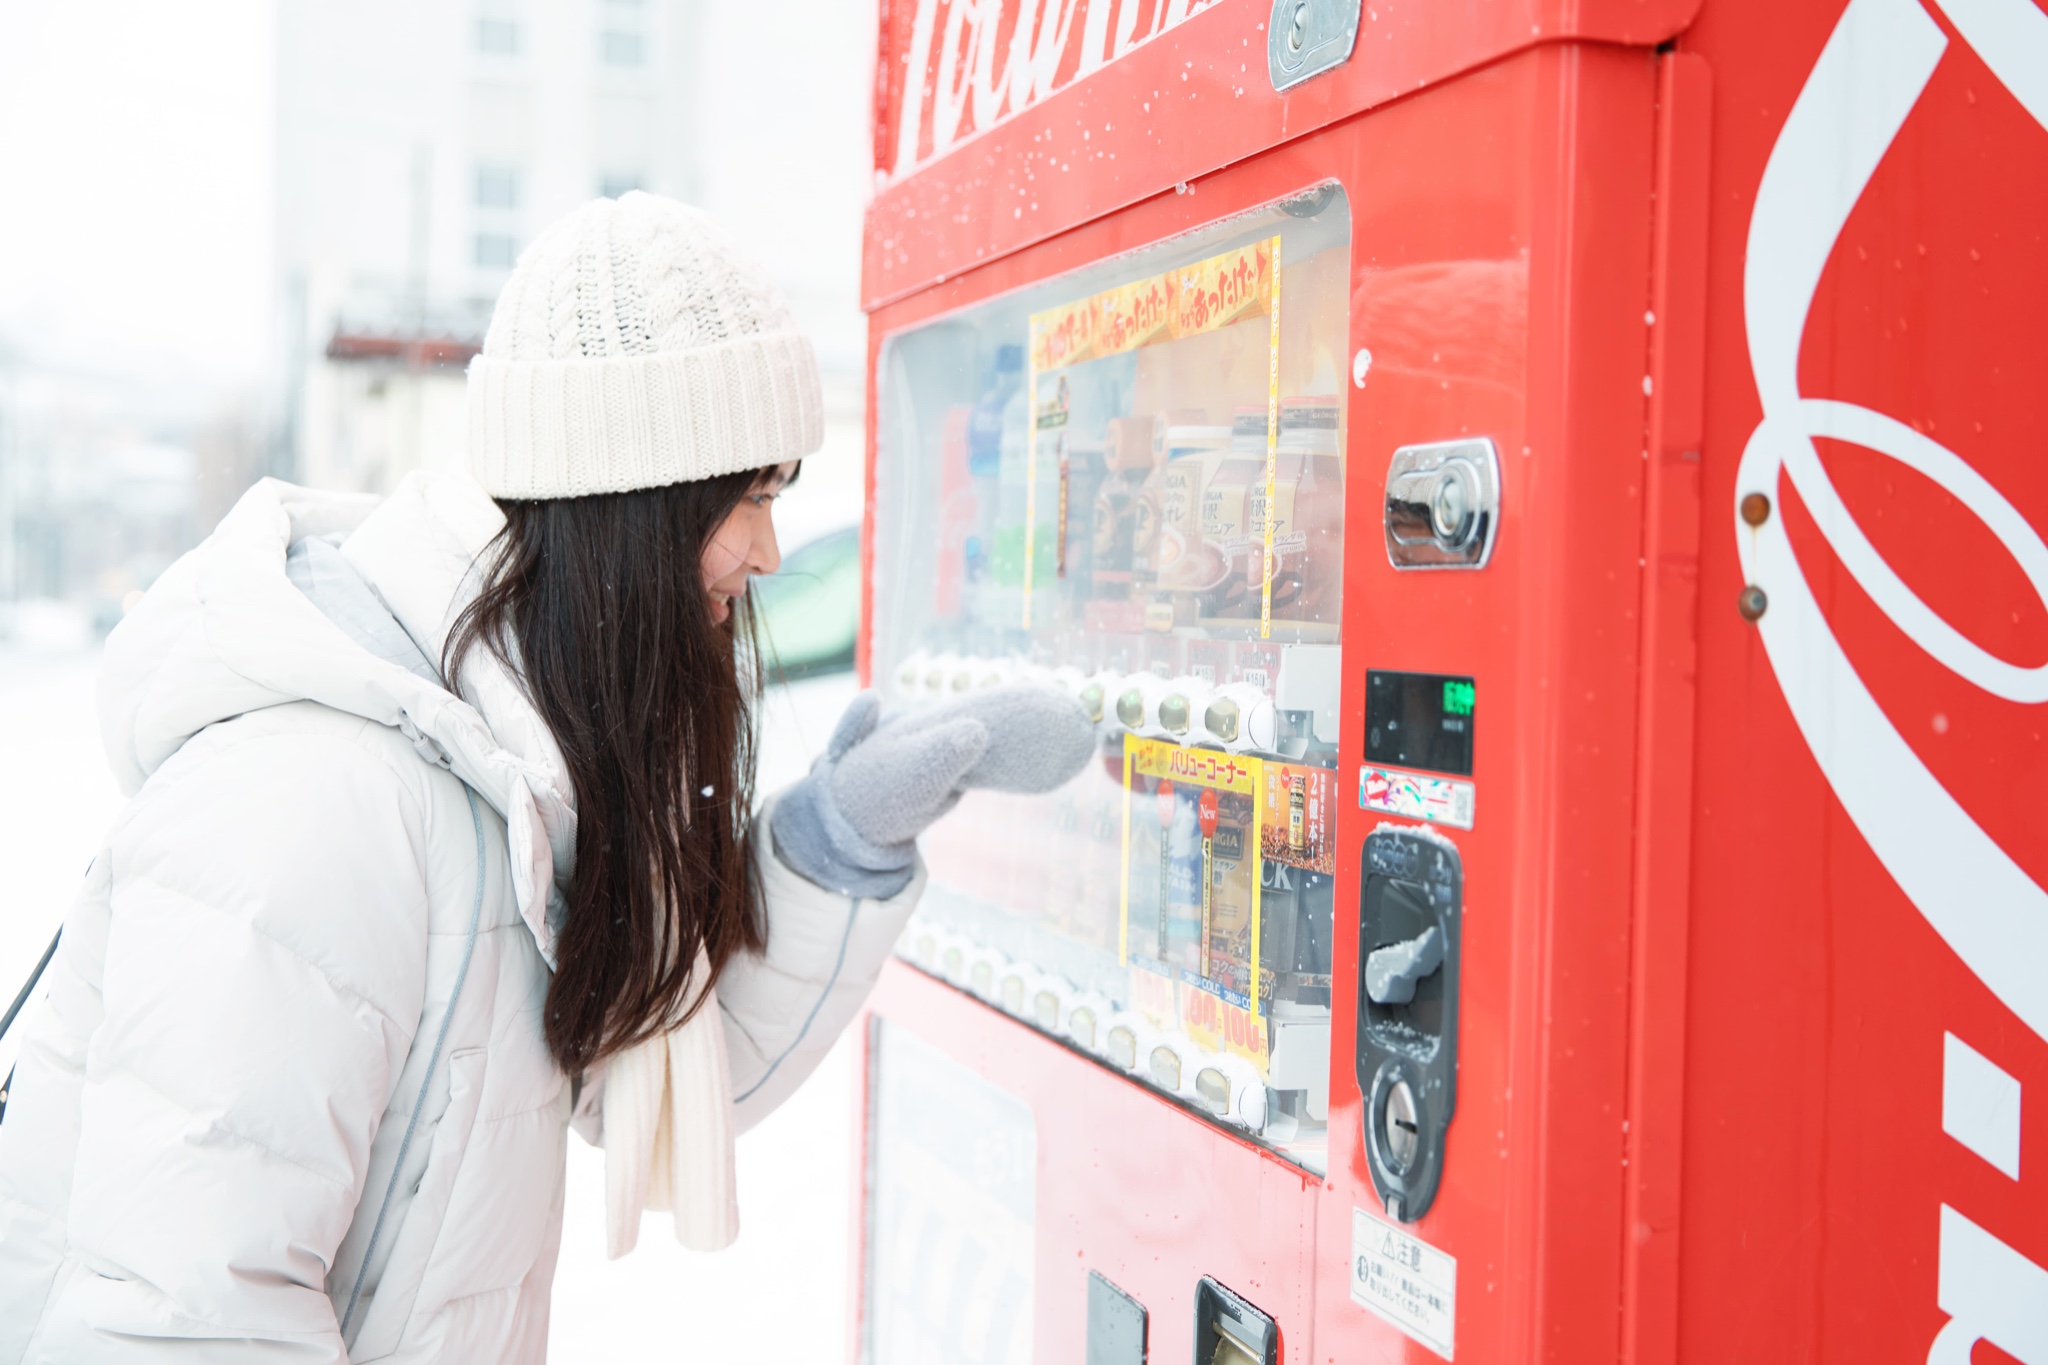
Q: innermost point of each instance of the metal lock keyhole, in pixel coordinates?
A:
(1398, 1126)
(1450, 507)
(1443, 504)
(1305, 37)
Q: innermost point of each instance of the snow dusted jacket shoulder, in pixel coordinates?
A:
(256, 979)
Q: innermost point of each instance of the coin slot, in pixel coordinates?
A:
(1398, 1126)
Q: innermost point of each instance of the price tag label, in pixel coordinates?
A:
(1405, 1281)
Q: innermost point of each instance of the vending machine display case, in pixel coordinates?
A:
(1097, 453)
(1326, 1021)
(1188, 1118)
(1414, 259)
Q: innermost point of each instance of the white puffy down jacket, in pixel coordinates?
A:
(251, 988)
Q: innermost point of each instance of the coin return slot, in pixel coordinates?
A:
(1230, 1331)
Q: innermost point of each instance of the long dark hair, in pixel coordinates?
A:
(598, 605)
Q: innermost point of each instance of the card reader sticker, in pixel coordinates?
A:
(1420, 720)
(1438, 800)
(1405, 1281)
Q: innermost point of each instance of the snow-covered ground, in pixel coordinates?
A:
(778, 1296)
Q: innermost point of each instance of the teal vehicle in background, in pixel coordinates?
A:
(809, 611)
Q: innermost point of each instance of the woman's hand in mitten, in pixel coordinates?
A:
(852, 824)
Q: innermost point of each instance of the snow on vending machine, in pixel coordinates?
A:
(1303, 383)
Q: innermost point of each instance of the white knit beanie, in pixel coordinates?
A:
(636, 346)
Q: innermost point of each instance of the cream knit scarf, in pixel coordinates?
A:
(668, 1133)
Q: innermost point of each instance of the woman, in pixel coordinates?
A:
(441, 834)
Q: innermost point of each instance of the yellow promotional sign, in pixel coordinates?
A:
(1272, 440)
(1154, 997)
(1190, 921)
(1212, 294)
(1237, 773)
(1220, 1026)
(1063, 336)
(1232, 286)
(1131, 316)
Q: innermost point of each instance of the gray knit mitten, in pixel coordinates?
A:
(851, 826)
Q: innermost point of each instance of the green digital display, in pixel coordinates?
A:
(1420, 720)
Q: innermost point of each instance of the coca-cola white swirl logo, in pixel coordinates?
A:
(1986, 907)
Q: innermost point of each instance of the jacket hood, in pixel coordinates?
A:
(224, 631)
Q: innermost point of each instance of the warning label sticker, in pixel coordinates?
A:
(1404, 1280)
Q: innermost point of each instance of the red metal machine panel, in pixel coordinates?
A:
(1502, 287)
(1501, 273)
(1654, 1129)
(975, 157)
(1139, 1192)
(1756, 954)
(1869, 951)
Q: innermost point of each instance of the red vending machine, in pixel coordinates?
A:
(1303, 383)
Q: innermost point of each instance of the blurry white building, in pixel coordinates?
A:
(420, 144)
(97, 494)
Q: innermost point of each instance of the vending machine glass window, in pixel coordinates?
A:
(1129, 481)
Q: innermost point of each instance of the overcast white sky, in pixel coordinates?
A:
(135, 208)
(134, 184)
